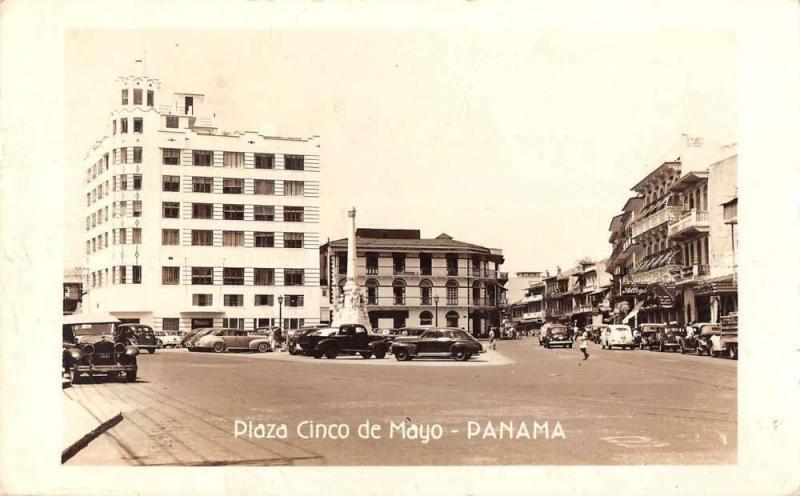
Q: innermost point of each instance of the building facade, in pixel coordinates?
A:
(408, 280)
(671, 257)
(190, 226)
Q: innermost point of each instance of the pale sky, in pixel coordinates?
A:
(524, 141)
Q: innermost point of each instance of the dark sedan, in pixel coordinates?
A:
(437, 342)
(141, 336)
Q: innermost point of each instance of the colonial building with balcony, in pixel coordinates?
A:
(408, 280)
(668, 254)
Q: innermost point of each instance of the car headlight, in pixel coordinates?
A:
(88, 349)
(76, 353)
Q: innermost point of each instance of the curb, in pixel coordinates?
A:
(81, 443)
(65, 383)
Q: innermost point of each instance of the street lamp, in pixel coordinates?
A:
(436, 302)
(280, 320)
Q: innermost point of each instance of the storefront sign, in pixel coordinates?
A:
(634, 289)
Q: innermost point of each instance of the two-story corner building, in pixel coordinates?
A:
(408, 280)
(190, 226)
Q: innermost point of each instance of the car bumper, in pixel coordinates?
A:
(104, 369)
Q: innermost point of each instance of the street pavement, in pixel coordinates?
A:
(617, 407)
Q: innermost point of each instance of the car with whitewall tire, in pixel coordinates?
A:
(223, 339)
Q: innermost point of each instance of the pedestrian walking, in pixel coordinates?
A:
(492, 342)
(584, 338)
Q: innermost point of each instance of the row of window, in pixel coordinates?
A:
(97, 168)
(261, 239)
(170, 275)
(232, 185)
(137, 97)
(230, 211)
(237, 300)
(99, 217)
(138, 125)
(119, 275)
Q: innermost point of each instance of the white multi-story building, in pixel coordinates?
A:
(189, 226)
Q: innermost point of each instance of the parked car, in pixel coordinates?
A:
(168, 339)
(292, 345)
(224, 339)
(140, 335)
(556, 335)
(729, 334)
(617, 335)
(348, 339)
(594, 331)
(649, 332)
(198, 333)
(438, 342)
(668, 338)
(706, 339)
(94, 345)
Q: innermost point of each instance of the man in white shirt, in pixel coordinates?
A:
(584, 338)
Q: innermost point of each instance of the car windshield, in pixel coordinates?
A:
(95, 329)
(324, 332)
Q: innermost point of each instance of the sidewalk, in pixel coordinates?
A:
(83, 437)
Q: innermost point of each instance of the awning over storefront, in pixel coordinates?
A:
(717, 286)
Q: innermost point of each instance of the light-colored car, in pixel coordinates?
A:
(168, 339)
(617, 335)
(224, 339)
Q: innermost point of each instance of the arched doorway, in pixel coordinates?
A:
(372, 291)
(399, 292)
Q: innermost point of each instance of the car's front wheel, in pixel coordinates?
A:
(366, 355)
(401, 355)
(331, 353)
(130, 375)
(263, 347)
(218, 347)
(151, 350)
(380, 354)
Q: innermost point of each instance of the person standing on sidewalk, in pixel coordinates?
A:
(584, 338)
(492, 343)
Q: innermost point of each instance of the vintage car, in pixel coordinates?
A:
(224, 339)
(189, 342)
(167, 339)
(438, 342)
(295, 336)
(618, 335)
(648, 335)
(705, 340)
(668, 338)
(140, 335)
(347, 339)
(594, 331)
(94, 345)
(556, 335)
(508, 333)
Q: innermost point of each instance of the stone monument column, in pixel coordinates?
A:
(352, 309)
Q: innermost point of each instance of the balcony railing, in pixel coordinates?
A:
(692, 272)
(691, 221)
(372, 271)
(663, 216)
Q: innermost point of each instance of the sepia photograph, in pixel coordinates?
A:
(337, 238)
